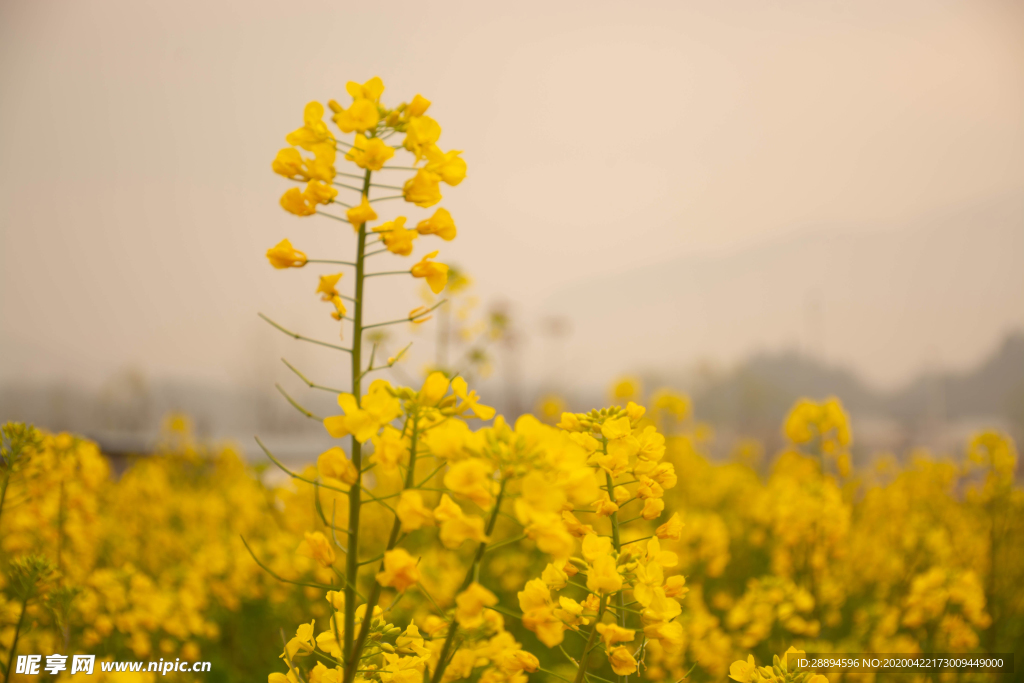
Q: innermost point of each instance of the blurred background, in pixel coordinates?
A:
(746, 201)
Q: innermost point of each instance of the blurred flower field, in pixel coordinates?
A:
(923, 557)
(440, 542)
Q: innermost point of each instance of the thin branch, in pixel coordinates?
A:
(389, 272)
(331, 215)
(340, 263)
(349, 187)
(431, 475)
(507, 541)
(440, 612)
(407, 319)
(390, 363)
(297, 407)
(304, 338)
(279, 578)
(384, 199)
(295, 475)
(310, 384)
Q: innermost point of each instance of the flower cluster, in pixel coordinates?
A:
(148, 564)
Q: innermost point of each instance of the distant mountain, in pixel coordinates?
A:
(888, 304)
(755, 396)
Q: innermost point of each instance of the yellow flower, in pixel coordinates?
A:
(596, 546)
(574, 526)
(436, 274)
(288, 163)
(538, 616)
(418, 106)
(605, 507)
(440, 224)
(328, 286)
(371, 90)
(743, 671)
(603, 576)
(648, 578)
(396, 237)
(456, 526)
(339, 308)
(283, 255)
(400, 570)
(469, 398)
(402, 669)
(314, 134)
(435, 386)
(316, 546)
(379, 407)
(423, 189)
(389, 450)
(652, 444)
(653, 507)
(447, 165)
(370, 153)
(293, 201)
(360, 117)
(669, 634)
(554, 578)
(471, 478)
(666, 558)
(319, 193)
(613, 634)
(412, 512)
(421, 133)
(321, 167)
(360, 214)
(675, 586)
(670, 530)
(334, 464)
(470, 604)
(621, 661)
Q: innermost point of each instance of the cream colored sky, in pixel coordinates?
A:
(136, 198)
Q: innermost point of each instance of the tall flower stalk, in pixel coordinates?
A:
(429, 469)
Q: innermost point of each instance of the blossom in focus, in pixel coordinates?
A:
(370, 153)
(379, 407)
(448, 166)
(400, 570)
(316, 546)
(423, 189)
(470, 604)
(436, 274)
(440, 224)
(328, 286)
(396, 237)
(284, 255)
(361, 213)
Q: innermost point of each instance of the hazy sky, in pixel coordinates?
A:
(136, 197)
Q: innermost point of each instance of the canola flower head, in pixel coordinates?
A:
(284, 255)
(645, 547)
(435, 274)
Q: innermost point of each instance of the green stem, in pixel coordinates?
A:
(371, 603)
(354, 502)
(60, 525)
(307, 339)
(17, 632)
(3, 492)
(590, 641)
(442, 660)
(617, 542)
